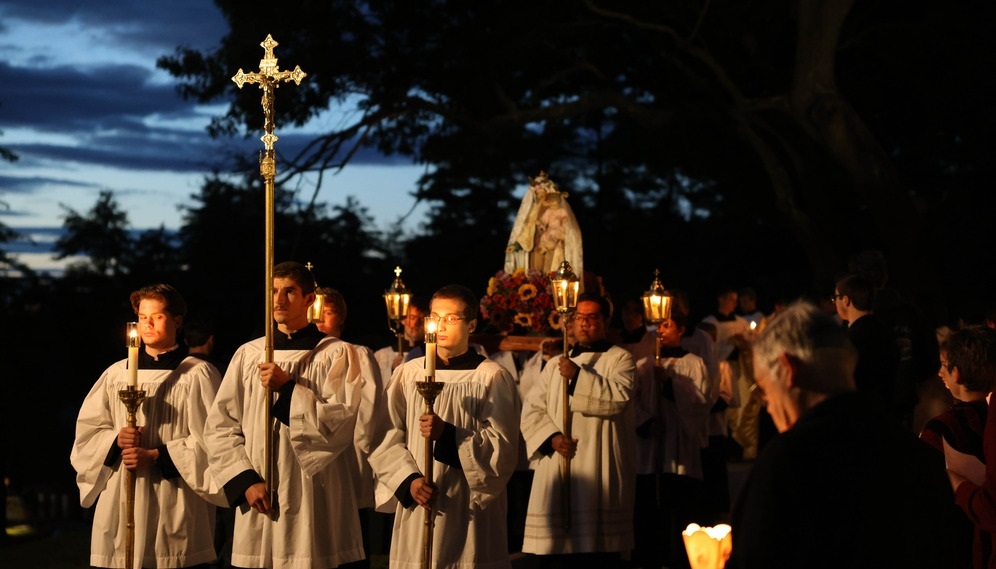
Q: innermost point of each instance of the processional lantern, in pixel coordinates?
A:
(565, 291)
(565, 286)
(318, 307)
(396, 300)
(657, 306)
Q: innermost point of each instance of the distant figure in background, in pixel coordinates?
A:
(747, 301)
(878, 359)
(371, 417)
(731, 332)
(545, 232)
(916, 346)
(174, 524)
(841, 485)
(634, 336)
(198, 333)
(388, 357)
(967, 370)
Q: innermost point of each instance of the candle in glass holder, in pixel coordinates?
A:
(133, 343)
(431, 325)
(708, 547)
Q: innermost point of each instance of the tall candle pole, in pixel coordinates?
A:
(269, 78)
(429, 390)
(132, 399)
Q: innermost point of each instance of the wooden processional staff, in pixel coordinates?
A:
(269, 78)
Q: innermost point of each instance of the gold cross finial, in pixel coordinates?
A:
(308, 265)
(397, 272)
(269, 77)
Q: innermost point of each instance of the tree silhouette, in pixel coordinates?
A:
(101, 235)
(835, 122)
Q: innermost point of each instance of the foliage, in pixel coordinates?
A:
(520, 303)
(778, 118)
(101, 235)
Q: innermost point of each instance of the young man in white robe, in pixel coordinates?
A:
(174, 525)
(602, 448)
(310, 520)
(674, 396)
(475, 429)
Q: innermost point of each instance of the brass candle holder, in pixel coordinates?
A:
(429, 390)
(132, 399)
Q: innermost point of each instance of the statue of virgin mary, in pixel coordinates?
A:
(545, 231)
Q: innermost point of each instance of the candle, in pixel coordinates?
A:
(708, 547)
(133, 344)
(431, 325)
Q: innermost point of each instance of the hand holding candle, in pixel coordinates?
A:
(431, 326)
(133, 344)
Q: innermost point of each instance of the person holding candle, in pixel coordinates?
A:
(174, 524)
(475, 429)
(601, 380)
(311, 519)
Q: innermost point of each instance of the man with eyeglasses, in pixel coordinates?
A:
(602, 449)
(475, 429)
(878, 358)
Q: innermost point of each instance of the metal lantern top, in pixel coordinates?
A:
(656, 301)
(397, 298)
(565, 288)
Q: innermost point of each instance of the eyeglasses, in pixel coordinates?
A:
(588, 318)
(836, 296)
(450, 319)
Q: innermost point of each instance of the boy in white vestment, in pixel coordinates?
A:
(602, 448)
(674, 395)
(310, 521)
(174, 525)
(475, 429)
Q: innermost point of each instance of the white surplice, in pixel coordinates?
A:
(316, 525)
(603, 471)
(174, 525)
(680, 428)
(471, 505)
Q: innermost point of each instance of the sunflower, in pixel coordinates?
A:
(524, 319)
(554, 320)
(527, 292)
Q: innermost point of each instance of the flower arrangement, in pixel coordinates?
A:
(520, 302)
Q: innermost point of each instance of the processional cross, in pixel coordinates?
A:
(269, 78)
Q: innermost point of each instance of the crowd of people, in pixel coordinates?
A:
(309, 449)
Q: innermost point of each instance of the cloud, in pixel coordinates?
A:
(130, 24)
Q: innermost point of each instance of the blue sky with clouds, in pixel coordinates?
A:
(83, 105)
